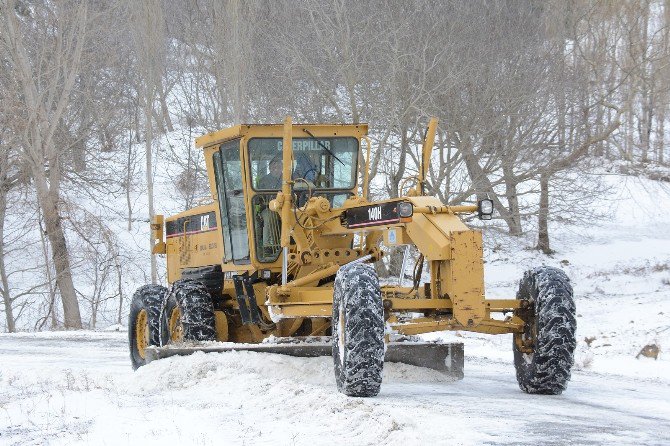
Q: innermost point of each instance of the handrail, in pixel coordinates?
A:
(366, 174)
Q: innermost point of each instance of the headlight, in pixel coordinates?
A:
(485, 209)
(405, 209)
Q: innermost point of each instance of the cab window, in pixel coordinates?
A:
(326, 163)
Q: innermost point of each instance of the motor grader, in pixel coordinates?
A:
(283, 255)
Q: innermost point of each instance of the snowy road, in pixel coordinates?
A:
(78, 388)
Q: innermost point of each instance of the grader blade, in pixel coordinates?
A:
(445, 358)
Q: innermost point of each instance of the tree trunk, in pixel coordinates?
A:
(514, 223)
(48, 199)
(629, 146)
(646, 85)
(4, 280)
(397, 177)
(165, 110)
(543, 216)
(129, 169)
(120, 289)
(646, 126)
(660, 135)
(149, 135)
(51, 313)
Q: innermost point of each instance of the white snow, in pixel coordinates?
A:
(78, 388)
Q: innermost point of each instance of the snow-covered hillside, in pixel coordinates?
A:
(78, 388)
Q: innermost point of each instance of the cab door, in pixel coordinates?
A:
(230, 190)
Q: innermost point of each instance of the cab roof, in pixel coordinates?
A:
(276, 131)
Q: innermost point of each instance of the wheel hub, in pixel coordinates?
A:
(526, 340)
(142, 333)
(176, 328)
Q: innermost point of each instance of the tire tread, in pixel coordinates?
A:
(357, 290)
(553, 356)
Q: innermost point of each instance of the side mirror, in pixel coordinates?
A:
(485, 209)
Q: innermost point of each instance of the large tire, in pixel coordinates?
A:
(544, 353)
(210, 276)
(189, 312)
(358, 331)
(145, 327)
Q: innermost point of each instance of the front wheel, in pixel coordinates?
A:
(358, 331)
(145, 327)
(544, 352)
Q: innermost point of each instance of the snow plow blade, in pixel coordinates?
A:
(445, 358)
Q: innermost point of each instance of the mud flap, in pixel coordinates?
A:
(246, 299)
(445, 358)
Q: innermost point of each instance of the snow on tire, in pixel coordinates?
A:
(358, 331)
(197, 311)
(544, 359)
(145, 327)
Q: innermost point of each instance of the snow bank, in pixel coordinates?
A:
(259, 398)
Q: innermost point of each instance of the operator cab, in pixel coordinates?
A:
(247, 171)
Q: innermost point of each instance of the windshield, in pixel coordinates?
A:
(327, 163)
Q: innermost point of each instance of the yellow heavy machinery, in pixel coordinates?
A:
(283, 253)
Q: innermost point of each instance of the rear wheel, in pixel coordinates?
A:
(544, 352)
(190, 312)
(144, 322)
(358, 331)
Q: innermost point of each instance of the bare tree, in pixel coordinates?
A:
(8, 179)
(44, 50)
(148, 30)
(528, 94)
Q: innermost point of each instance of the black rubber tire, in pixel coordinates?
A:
(197, 310)
(551, 324)
(150, 298)
(358, 331)
(210, 276)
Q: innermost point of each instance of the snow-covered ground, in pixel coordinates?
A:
(78, 388)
